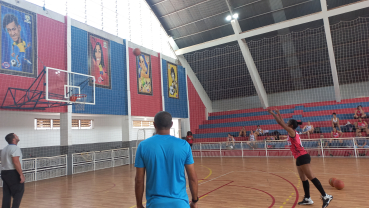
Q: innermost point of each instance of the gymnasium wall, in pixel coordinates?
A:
(106, 129)
(107, 101)
(197, 107)
(142, 104)
(51, 51)
(22, 124)
(109, 114)
(176, 107)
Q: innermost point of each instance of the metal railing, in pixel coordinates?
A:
(325, 147)
(91, 161)
(40, 168)
(134, 150)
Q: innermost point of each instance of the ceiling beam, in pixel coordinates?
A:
(332, 59)
(255, 77)
(276, 26)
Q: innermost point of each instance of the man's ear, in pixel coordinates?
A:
(171, 125)
(154, 125)
(19, 28)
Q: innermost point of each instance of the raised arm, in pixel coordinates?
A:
(279, 114)
(280, 121)
(13, 54)
(27, 46)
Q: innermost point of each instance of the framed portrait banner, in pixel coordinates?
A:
(173, 90)
(99, 60)
(18, 41)
(144, 75)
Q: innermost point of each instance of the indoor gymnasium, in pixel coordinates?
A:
(270, 99)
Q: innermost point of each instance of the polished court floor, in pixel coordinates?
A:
(224, 182)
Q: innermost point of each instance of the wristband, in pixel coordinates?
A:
(194, 201)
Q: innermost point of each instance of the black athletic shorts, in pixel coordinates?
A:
(303, 159)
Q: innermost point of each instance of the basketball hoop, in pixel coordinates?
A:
(81, 99)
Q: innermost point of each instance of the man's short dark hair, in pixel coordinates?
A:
(163, 120)
(9, 18)
(9, 138)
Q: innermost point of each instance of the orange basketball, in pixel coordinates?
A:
(338, 184)
(136, 51)
(331, 181)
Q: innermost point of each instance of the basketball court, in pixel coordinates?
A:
(223, 182)
(81, 83)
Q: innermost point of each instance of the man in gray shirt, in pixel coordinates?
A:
(11, 173)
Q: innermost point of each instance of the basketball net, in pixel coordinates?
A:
(81, 99)
(81, 106)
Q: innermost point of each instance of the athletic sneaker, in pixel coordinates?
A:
(306, 201)
(326, 200)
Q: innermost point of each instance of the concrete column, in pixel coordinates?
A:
(162, 86)
(332, 59)
(66, 139)
(127, 122)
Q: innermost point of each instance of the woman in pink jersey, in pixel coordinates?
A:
(302, 160)
(361, 125)
(359, 112)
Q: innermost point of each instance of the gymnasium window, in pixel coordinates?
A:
(143, 124)
(44, 124)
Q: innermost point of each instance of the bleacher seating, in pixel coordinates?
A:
(219, 124)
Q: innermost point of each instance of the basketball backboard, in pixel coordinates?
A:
(61, 85)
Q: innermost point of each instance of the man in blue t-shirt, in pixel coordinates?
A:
(164, 158)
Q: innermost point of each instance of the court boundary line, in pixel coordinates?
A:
(216, 177)
(296, 191)
(273, 202)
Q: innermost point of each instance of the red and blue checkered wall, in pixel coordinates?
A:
(52, 48)
(52, 52)
(107, 101)
(145, 105)
(177, 107)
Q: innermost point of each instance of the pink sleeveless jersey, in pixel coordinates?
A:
(296, 146)
(361, 124)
